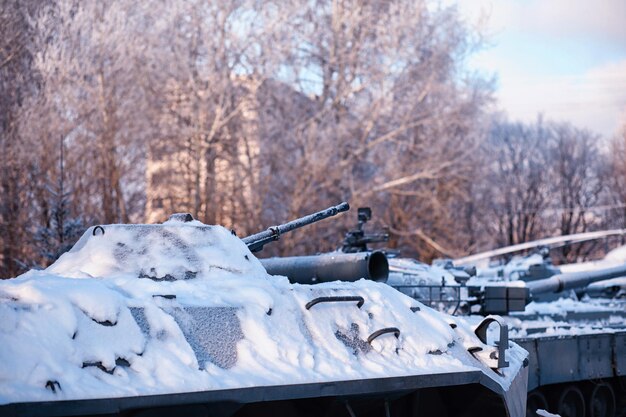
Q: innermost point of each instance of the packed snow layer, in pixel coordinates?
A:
(587, 266)
(610, 288)
(179, 307)
(568, 317)
(562, 306)
(417, 280)
(615, 257)
(513, 270)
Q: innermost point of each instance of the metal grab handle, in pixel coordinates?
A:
(502, 344)
(318, 300)
(394, 330)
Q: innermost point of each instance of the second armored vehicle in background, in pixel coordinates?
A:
(572, 324)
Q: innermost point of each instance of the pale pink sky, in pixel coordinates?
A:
(563, 58)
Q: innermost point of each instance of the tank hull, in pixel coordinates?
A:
(400, 393)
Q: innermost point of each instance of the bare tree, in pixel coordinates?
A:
(204, 159)
(18, 82)
(517, 185)
(391, 116)
(542, 179)
(251, 112)
(86, 57)
(615, 179)
(59, 230)
(575, 163)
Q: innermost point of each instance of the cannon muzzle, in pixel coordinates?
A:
(330, 267)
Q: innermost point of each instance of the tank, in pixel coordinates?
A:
(574, 332)
(569, 318)
(181, 318)
(572, 322)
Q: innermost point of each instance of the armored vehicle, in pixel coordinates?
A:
(577, 346)
(572, 324)
(181, 318)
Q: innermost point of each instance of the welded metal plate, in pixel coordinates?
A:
(595, 356)
(619, 353)
(558, 360)
(530, 344)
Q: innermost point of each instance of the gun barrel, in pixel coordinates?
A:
(561, 282)
(256, 241)
(330, 267)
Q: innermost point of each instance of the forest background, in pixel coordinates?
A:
(249, 113)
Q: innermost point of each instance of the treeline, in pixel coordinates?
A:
(548, 179)
(248, 113)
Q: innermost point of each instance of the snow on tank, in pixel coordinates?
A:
(137, 310)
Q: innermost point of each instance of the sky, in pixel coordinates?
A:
(565, 59)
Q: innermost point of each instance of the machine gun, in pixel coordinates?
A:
(356, 240)
(256, 241)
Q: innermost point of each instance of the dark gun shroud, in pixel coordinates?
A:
(327, 267)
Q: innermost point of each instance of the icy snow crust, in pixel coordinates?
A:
(511, 271)
(180, 307)
(405, 271)
(558, 318)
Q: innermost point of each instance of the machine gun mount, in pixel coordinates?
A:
(356, 240)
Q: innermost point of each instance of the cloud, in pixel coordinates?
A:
(564, 58)
(604, 20)
(595, 99)
(601, 19)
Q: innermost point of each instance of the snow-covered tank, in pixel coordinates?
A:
(181, 318)
(575, 333)
(572, 324)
